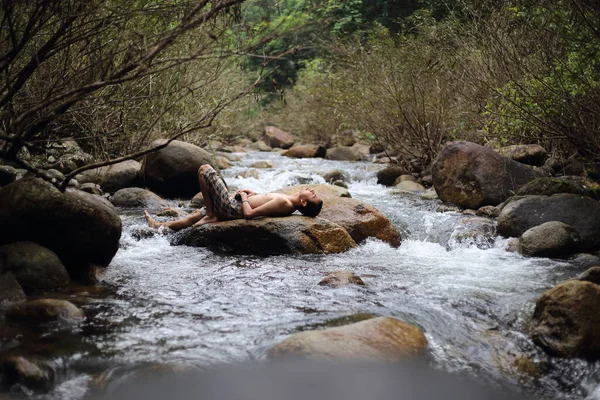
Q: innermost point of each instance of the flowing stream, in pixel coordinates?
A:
(162, 303)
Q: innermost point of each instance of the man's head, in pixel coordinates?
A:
(310, 203)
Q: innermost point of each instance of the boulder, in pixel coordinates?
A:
(409, 186)
(340, 184)
(403, 178)
(488, 212)
(260, 146)
(77, 226)
(376, 339)
(305, 151)
(568, 184)
(341, 278)
(222, 162)
(336, 175)
(45, 310)
(591, 275)
(288, 235)
(530, 154)
(566, 320)
(261, 165)
(91, 188)
(114, 177)
(323, 190)
(30, 373)
(360, 219)
(580, 212)
(363, 149)
(8, 174)
(550, 239)
(249, 173)
(343, 153)
(472, 176)
(197, 201)
(275, 137)
(35, 267)
(10, 290)
(138, 197)
(473, 231)
(389, 174)
(173, 170)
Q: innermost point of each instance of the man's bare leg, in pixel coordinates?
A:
(211, 216)
(183, 223)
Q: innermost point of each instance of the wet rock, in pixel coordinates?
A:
(376, 339)
(579, 212)
(488, 212)
(427, 181)
(566, 320)
(389, 174)
(323, 190)
(222, 162)
(173, 170)
(8, 174)
(55, 175)
(430, 194)
(140, 233)
(469, 211)
(512, 245)
(530, 154)
(361, 220)
(30, 373)
(10, 291)
(336, 175)
(260, 146)
(138, 197)
(45, 310)
(591, 275)
(288, 235)
(35, 267)
(573, 167)
(473, 176)
(410, 186)
(261, 165)
(340, 184)
(584, 260)
(553, 163)
(197, 201)
(114, 177)
(276, 137)
(403, 178)
(249, 173)
(550, 239)
(343, 153)
(75, 225)
(341, 278)
(91, 188)
(473, 231)
(567, 184)
(305, 151)
(172, 212)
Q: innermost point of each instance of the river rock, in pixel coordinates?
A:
(376, 339)
(336, 175)
(591, 275)
(409, 186)
(222, 162)
(260, 146)
(77, 226)
(488, 212)
(45, 310)
(197, 201)
(323, 190)
(287, 235)
(341, 278)
(114, 177)
(35, 267)
(580, 212)
(10, 290)
(530, 154)
(389, 174)
(138, 197)
(567, 184)
(91, 188)
(343, 153)
(33, 374)
(249, 173)
(8, 174)
(305, 151)
(261, 165)
(566, 320)
(360, 219)
(550, 239)
(473, 231)
(403, 178)
(276, 137)
(473, 176)
(173, 170)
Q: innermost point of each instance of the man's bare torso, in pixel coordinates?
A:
(284, 204)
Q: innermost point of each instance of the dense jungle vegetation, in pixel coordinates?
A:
(408, 75)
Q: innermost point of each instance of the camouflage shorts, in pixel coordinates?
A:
(226, 207)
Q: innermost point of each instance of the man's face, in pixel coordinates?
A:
(309, 195)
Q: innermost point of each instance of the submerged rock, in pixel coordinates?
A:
(45, 310)
(288, 235)
(341, 278)
(33, 374)
(566, 320)
(376, 339)
(473, 176)
(35, 267)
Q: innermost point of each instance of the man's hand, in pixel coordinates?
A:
(248, 192)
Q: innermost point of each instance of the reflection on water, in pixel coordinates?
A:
(183, 304)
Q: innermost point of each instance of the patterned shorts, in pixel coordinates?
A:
(226, 207)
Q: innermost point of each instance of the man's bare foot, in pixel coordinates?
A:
(151, 221)
(206, 220)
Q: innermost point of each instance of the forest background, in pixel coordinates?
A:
(407, 75)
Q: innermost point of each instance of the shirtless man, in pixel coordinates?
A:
(221, 207)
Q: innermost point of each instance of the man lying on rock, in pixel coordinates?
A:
(219, 206)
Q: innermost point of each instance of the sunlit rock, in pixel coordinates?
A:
(473, 176)
(566, 320)
(376, 339)
(276, 137)
(288, 235)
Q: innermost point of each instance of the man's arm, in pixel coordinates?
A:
(273, 207)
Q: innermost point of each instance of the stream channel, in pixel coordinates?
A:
(163, 304)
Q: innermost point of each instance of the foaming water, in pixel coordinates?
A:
(192, 305)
